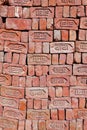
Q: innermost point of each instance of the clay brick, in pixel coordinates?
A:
(38, 70)
(8, 124)
(45, 70)
(14, 113)
(73, 80)
(21, 3)
(15, 59)
(44, 3)
(22, 59)
(58, 103)
(37, 104)
(45, 47)
(80, 11)
(62, 58)
(1, 56)
(38, 47)
(37, 92)
(5, 79)
(31, 48)
(82, 103)
(82, 35)
(3, 11)
(29, 81)
(56, 124)
(81, 46)
(30, 104)
(51, 92)
(38, 114)
(24, 37)
(14, 69)
(72, 35)
(57, 35)
(21, 82)
(14, 23)
(73, 11)
(79, 69)
(55, 59)
(68, 2)
(54, 114)
(18, 12)
(59, 12)
(43, 81)
(31, 71)
(72, 124)
(66, 91)
(70, 58)
(11, 11)
(42, 125)
(61, 47)
(36, 2)
(10, 35)
(69, 114)
(9, 102)
(43, 24)
(59, 91)
(35, 24)
(44, 103)
(83, 23)
(35, 125)
(82, 80)
(52, 2)
(74, 102)
(80, 113)
(40, 36)
(1, 67)
(15, 80)
(8, 57)
(55, 80)
(84, 58)
(84, 2)
(61, 114)
(28, 125)
(25, 12)
(66, 23)
(22, 105)
(66, 11)
(60, 69)
(40, 12)
(77, 57)
(14, 92)
(50, 23)
(2, 2)
(1, 45)
(78, 92)
(85, 124)
(39, 59)
(35, 81)
(65, 35)
(21, 125)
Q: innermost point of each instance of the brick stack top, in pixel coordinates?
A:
(43, 64)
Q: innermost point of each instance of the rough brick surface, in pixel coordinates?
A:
(43, 64)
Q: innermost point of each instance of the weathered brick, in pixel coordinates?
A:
(14, 113)
(81, 46)
(55, 80)
(80, 113)
(83, 23)
(10, 35)
(79, 69)
(17, 47)
(66, 23)
(78, 92)
(14, 92)
(37, 104)
(37, 92)
(59, 91)
(14, 23)
(54, 114)
(68, 2)
(41, 12)
(57, 125)
(58, 103)
(5, 79)
(21, 3)
(14, 69)
(40, 36)
(82, 80)
(84, 2)
(9, 124)
(60, 69)
(62, 47)
(38, 114)
(39, 59)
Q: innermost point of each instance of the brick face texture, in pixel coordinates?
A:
(43, 64)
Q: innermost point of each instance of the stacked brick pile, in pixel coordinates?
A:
(43, 65)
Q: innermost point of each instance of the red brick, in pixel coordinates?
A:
(40, 36)
(73, 80)
(5, 79)
(84, 2)
(15, 81)
(38, 70)
(2, 2)
(29, 81)
(14, 92)
(74, 102)
(61, 114)
(62, 58)
(10, 35)
(84, 58)
(11, 11)
(28, 125)
(22, 105)
(21, 125)
(65, 35)
(85, 124)
(70, 58)
(80, 113)
(73, 125)
(79, 69)
(21, 81)
(59, 91)
(35, 81)
(39, 59)
(43, 81)
(55, 59)
(30, 104)
(38, 114)
(52, 2)
(54, 114)
(38, 47)
(40, 12)
(66, 23)
(14, 69)
(50, 23)
(1, 67)
(45, 47)
(37, 92)
(69, 114)
(8, 57)
(9, 102)
(60, 69)
(81, 46)
(77, 57)
(56, 124)
(37, 104)
(22, 59)
(83, 23)
(31, 47)
(1, 45)
(66, 91)
(14, 23)
(58, 103)
(59, 12)
(8, 124)
(45, 70)
(35, 24)
(42, 125)
(82, 35)
(66, 11)
(44, 103)
(14, 113)
(25, 12)
(62, 47)
(80, 11)
(68, 2)
(3, 11)
(73, 11)
(44, 3)
(1, 56)
(31, 70)
(21, 3)
(15, 59)
(55, 80)
(78, 92)
(51, 92)
(36, 2)
(82, 103)
(82, 80)
(43, 24)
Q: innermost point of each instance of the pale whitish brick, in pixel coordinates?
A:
(57, 35)
(1, 56)
(49, 23)
(45, 47)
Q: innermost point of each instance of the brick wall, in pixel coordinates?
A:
(43, 64)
